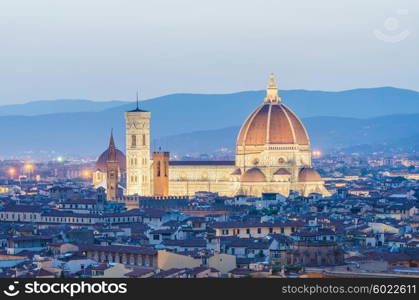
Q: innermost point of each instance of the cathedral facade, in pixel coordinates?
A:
(272, 155)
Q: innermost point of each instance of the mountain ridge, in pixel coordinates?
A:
(42, 107)
(173, 115)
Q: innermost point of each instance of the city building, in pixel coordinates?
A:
(272, 155)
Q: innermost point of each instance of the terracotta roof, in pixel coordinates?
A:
(308, 174)
(30, 238)
(101, 161)
(119, 249)
(100, 267)
(198, 270)
(138, 272)
(237, 172)
(195, 243)
(253, 224)
(282, 171)
(170, 272)
(163, 231)
(43, 273)
(253, 175)
(272, 123)
(240, 271)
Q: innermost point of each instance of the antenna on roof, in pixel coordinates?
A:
(137, 99)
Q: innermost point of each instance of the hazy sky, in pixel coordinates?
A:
(106, 49)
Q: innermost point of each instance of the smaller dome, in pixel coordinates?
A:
(101, 161)
(253, 175)
(308, 174)
(282, 171)
(237, 172)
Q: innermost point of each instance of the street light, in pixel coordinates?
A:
(86, 174)
(12, 172)
(317, 153)
(29, 168)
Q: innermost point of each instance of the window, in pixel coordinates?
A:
(248, 231)
(271, 230)
(133, 140)
(156, 237)
(282, 229)
(259, 230)
(144, 140)
(158, 169)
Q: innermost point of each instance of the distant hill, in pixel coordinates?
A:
(188, 122)
(326, 133)
(182, 113)
(87, 134)
(357, 103)
(56, 106)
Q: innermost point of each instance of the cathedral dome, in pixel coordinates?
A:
(272, 123)
(253, 175)
(101, 161)
(308, 174)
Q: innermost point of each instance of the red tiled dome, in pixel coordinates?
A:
(272, 123)
(101, 161)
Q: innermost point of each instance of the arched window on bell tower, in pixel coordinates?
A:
(158, 169)
(144, 140)
(133, 140)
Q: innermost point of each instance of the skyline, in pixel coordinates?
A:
(113, 50)
(274, 139)
(333, 120)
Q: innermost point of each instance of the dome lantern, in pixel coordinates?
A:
(272, 91)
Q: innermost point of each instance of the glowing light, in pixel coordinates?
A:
(60, 158)
(86, 174)
(12, 171)
(316, 153)
(28, 167)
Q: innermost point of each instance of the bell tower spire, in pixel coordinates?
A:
(272, 91)
(111, 149)
(112, 171)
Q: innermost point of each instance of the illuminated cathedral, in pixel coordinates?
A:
(273, 155)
